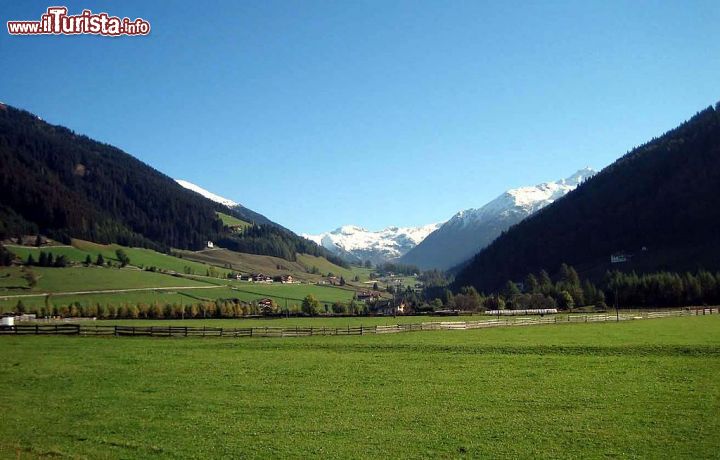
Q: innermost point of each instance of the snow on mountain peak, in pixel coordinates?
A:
(579, 176)
(206, 194)
(524, 200)
(470, 230)
(377, 246)
(349, 230)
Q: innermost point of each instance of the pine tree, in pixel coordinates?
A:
(531, 284)
(510, 290)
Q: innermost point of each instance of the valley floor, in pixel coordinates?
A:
(629, 389)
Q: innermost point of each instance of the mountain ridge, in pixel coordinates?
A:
(358, 244)
(657, 206)
(64, 185)
(469, 230)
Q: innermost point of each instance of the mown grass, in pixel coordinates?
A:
(325, 267)
(73, 279)
(320, 321)
(139, 257)
(92, 278)
(58, 280)
(232, 221)
(633, 389)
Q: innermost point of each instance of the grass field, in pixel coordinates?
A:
(71, 279)
(90, 278)
(325, 267)
(75, 279)
(328, 321)
(139, 257)
(634, 389)
(232, 221)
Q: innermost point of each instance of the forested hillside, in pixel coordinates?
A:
(61, 184)
(657, 208)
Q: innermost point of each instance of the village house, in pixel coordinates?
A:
(266, 306)
(260, 278)
(368, 295)
(391, 310)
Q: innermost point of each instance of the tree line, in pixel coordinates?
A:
(565, 290)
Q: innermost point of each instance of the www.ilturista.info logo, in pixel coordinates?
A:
(57, 22)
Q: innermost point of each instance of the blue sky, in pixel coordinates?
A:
(376, 113)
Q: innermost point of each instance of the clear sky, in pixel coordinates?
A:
(376, 113)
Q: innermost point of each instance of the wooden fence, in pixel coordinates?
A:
(298, 331)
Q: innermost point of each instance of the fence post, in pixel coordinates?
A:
(116, 331)
(37, 329)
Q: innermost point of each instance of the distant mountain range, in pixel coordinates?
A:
(357, 244)
(446, 245)
(656, 208)
(468, 231)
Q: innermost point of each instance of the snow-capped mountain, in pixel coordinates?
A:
(206, 194)
(468, 231)
(238, 210)
(358, 244)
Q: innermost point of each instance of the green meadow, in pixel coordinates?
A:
(89, 278)
(139, 257)
(635, 389)
(140, 288)
(321, 321)
(232, 221)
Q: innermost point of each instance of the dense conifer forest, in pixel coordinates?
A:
(656, 209)
(65, 185)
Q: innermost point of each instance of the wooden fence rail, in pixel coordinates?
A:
(297, 331)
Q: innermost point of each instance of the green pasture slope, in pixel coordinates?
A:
(636, 389)
(139, 257)
(232, 221)
(57, 281)
(88, 278)
(72, 279)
